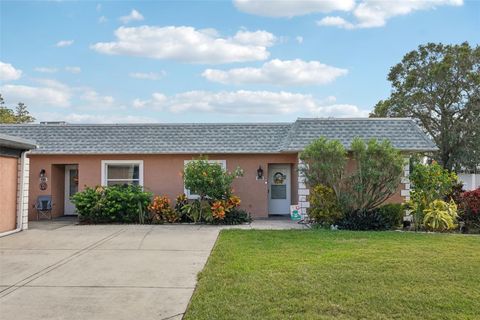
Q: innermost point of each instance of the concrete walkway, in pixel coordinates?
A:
(59, 270)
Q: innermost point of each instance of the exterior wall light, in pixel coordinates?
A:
(259, 173)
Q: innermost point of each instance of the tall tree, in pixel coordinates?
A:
(439, 86)
(19, 115)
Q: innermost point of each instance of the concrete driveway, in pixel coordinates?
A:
(101, 272)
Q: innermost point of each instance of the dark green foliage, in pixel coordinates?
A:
(439, 86)
(236, 216)
(120, 203)
(388, 216)
(363, 220)
(392, 214)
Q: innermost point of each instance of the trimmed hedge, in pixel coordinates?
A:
(119, 203)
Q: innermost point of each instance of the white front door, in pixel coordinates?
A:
(71, 187)
(279, 184)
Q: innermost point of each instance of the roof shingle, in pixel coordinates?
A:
(214, 138)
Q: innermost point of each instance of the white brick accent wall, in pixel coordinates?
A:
(23, 182)
(303, 192)
(405, 192)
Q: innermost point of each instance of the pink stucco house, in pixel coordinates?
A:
(72, 156)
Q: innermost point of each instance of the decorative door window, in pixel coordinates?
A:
(278, 187)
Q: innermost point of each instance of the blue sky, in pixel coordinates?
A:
(216, 61)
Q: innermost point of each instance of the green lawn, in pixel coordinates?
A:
(344, 275)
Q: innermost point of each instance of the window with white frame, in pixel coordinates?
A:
(190, 195)
(119, 172)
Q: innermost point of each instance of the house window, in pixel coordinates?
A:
(190, 195)
(115, 172)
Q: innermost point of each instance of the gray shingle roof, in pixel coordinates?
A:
(403, 133)
(214, 138)
(8, 141)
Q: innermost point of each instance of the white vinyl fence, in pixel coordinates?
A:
(471, 181)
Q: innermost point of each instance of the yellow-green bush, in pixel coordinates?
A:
(324, 208)
(440, 216)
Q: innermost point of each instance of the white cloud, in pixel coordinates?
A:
(188, 44)
(291, 8)
(157, 102)
(335, 22)
(46, 69)
(9, 72)
(278, 72)
(147, 75)
(133, 16)
(375, 13)
(256, 38)
(95, 100)
(299, 39)
(64, 43)
(246, 102)
(49, 93)
(102, 19)
(98, 7)
(45, 95)
(73, 69)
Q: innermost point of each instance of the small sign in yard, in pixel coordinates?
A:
(295, 212)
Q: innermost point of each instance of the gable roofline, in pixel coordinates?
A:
(13, 142)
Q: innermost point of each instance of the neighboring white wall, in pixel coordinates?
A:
(23, 183)
(470, 181)
(303, 191)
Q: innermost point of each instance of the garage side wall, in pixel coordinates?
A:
(8, 192)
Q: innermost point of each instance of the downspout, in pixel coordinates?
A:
(21, 205)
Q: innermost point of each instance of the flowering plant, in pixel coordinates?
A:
(161, 211)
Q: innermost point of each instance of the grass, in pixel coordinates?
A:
(293, 274)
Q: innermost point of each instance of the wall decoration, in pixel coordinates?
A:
(279, 178)
(43, 180)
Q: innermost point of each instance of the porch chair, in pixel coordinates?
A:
(44, 207)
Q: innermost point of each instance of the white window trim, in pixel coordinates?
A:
(107, 162)
(191, 196)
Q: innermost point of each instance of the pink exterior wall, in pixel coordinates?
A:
(162, 175)
(8, 191)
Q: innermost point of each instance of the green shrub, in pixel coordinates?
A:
(211, 183)
(325, 162)
(324, 208)
(236, 216)
(363, 220)
(392, 214)
(119, 203)
(378, 172)
(429, 183)
(376, 177)
(440, 216)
